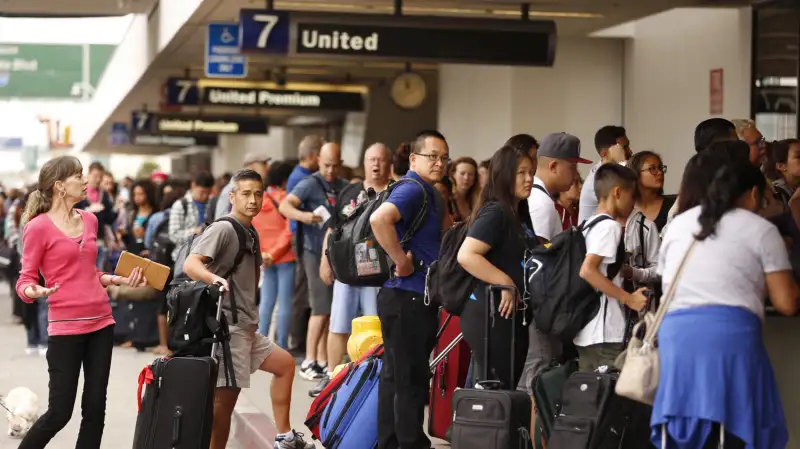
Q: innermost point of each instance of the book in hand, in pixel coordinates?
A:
(155, 273)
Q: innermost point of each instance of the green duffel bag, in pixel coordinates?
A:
(547, 386)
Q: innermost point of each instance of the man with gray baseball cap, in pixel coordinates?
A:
(253, 160)
(558, 156)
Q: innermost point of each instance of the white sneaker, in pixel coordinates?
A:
(43, 351)
(31, 351)
(312, 371)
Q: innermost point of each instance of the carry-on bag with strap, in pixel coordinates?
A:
(317, 409)
(492, 415)
(452, 357)
(350, 419)
(177, 408)
(592, 416)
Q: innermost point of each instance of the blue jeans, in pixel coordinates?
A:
(101, 257)
(37, 333)
(278, 286)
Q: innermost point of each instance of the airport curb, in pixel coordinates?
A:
(253, 428)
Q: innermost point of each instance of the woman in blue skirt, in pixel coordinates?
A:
(717, 387)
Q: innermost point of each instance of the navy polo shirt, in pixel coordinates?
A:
(424, 244)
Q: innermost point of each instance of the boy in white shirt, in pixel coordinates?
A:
(600, 341)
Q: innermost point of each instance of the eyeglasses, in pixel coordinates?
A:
(432, 158)
(762, 141)
(655, 169)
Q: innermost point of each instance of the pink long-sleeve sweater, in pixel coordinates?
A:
(81, 304)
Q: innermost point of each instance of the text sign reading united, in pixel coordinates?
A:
(179, 124)
(222, 52)
(502, 42)
(188, 93)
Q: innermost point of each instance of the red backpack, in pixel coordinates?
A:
(320, 402)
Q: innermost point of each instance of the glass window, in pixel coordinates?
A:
(775, 65)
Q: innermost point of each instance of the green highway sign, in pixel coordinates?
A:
(51, 70)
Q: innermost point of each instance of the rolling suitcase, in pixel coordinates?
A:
(350, 420)
(317, 409)
(449, 373)
(593, 416)
(491, 416)
(177, 410)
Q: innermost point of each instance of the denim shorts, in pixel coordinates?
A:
(349, 303)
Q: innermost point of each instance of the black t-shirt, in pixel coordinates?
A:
(508, 240)
(663, 213)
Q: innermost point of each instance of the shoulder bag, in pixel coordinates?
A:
(638, 378)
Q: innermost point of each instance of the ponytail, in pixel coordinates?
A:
(38, 203)
(54, 170)
(730, 182)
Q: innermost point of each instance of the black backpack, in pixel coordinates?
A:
(448, 284)
(561, 301)
(355, 256)
(194, 326)
(162, 246)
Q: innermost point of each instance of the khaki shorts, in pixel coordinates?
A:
(602, 354)
(249, 349)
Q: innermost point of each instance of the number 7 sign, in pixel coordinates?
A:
(262, 31)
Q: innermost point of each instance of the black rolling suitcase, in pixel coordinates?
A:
(491, 416)
(593, 416)
(177, 410)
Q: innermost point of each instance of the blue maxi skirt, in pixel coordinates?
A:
(715, 369)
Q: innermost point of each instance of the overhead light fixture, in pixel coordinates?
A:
(421, 10)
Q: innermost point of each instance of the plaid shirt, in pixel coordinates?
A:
(182, 222)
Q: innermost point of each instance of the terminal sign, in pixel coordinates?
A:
(181, 124)
(163, 140)
(404, 38)
(183, 92)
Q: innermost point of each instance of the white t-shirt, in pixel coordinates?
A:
(726, 269)
(603, 239)
(588, 202)
(544, 216)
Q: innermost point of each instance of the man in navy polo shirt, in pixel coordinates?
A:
(409, 325)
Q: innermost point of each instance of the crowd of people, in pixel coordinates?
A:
(734, 223)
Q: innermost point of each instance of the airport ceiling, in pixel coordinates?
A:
(184, 56)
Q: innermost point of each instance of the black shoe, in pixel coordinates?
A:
(314, 392)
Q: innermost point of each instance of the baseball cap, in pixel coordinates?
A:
(255, 156)
(562, 146)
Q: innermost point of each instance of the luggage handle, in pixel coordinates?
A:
(491, 293)
(439, 357)
(176, 425)
(218, 316)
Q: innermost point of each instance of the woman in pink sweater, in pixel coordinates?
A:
(61, 243)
